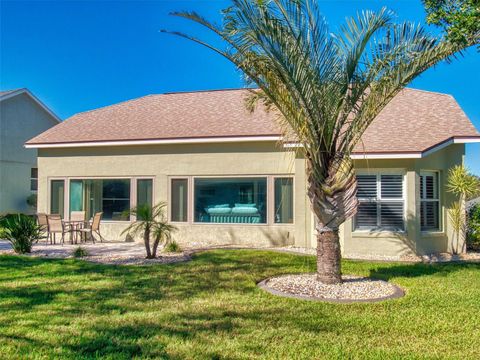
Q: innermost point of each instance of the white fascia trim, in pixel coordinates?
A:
(467, 140)
(412, 155)
(37, 100)
(386, 156)
(156, 142)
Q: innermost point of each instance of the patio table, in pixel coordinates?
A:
(73, 227)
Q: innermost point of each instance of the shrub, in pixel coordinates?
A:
(21, 231)
(80, 252)
(473, 228)
(32, 200)
(172, 246)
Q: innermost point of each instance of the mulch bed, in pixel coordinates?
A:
(353, 289)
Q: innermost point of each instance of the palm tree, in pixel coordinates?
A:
(326, 89)
(151, 224)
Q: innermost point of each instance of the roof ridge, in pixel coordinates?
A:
(202, 91)
(428, 91)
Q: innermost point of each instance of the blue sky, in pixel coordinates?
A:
(80, 55)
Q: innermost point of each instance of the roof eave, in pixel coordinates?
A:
(355, 156)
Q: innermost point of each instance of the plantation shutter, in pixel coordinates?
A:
(381, 202)
(429, 202)
(367, 208)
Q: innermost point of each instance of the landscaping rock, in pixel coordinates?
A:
(353, 288)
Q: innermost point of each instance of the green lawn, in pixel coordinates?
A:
(211, 308)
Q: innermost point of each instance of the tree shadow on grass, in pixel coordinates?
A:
(417, 270)
(72, 289)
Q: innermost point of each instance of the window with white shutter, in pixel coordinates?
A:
(429, 202)
(381, 202)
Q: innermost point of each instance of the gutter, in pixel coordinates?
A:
(213, 140)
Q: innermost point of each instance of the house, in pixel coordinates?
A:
(22, 116)
(227, 177)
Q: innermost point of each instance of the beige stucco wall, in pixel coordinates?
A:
(21, 118)
(162, 161)
(250, 159)
(412, 240)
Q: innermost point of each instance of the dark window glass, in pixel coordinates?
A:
(283, 200)
(57, 197)
(144, 193)
(179, 200)
(33, 179)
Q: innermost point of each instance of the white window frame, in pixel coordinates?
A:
(437, 200)
(379, 199)
(270, 194)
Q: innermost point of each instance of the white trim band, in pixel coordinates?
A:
(211, 140)
(157, 142)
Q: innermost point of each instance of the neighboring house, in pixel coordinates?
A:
(22, 116)
(228, 178)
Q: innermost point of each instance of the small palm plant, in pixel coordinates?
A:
(152, 225)
(21, 231)
(463, 185)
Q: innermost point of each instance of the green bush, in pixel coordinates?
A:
(80, 252)
(32, 200)
(172, 246)
(473, 229)
(21, 231)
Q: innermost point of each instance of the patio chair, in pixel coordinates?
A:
(56, 226)
(43, 223)
(93, 228)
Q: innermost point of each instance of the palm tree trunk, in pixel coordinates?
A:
(329, 257)
(155, 247)
(146, 239)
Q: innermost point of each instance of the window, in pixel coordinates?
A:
(283, 200)
(33, 179)
(144, 192)
(429, 201)
(110, 196)
(230, 200)
(57, 199)
(179, 200)
(381, 202)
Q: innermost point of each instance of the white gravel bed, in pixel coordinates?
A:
(432, 258)
(115, 253)
(162, 258)
(353, 289)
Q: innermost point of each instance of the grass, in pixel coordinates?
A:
(210, 308)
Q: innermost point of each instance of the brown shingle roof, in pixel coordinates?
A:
(412, 122)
